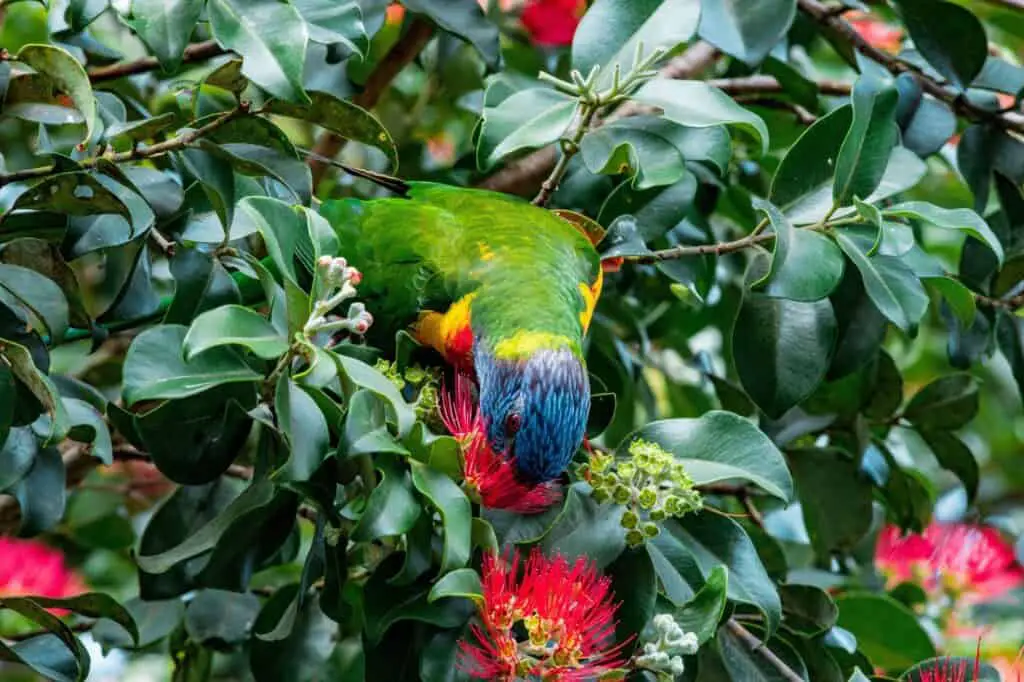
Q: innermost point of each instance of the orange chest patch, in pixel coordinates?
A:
(590, 295)
(449, 333)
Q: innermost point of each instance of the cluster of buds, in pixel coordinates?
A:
(664, 645)
(338, 281)
(650, 483)
(417, 385)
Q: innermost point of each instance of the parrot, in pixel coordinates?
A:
(503, 290)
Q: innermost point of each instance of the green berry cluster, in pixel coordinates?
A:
(417, 384)
(650, 483)
(664, 645)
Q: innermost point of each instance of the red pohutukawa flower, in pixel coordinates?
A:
(961, 670)
(567, 618)
(30, 568)
(552, 22)
(490, 475)
(972, 560)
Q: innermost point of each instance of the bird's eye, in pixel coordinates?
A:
(512, 423)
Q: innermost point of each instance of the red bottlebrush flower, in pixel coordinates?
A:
(29, 568)
(566, 611)
(490, 475)
(552, 23)
(970, 559)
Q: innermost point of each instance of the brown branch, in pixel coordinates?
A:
(405, 50)
(1009, 304)
(525, 175)
(823, 15)
(196, 52)
(683, 251)
(802, 116)
(767, 85)
(135, 154)
(757, 646)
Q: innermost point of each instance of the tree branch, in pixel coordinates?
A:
(700, 249)
(768, 85)
(136, 154)
(404, 51)
(757, 646)
(196, 52)
(823, 15)
(523, 176)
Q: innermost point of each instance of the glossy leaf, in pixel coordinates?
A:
(698, 104)
(835, 523)
(962, 219)
(67, 74)
(893, 287)
(233, 325)
(746, 30)
(526, 120)
(947, 403)
(806, 266)
(650, 148)
(456, 514)
(463, 582)
(702, 613)
(37, 293)
(900, 644)
(270, 36)
(949, 36)
(166, 27)
(873, 134)
(465, 19)
(720, 446)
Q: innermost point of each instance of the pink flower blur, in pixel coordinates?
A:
(552, 23)
(30, 568)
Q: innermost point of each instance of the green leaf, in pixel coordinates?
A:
(39, 294)
(303, 655)
(959, 297)
(808, 609)
(154, 619)
(835, 523)
(949, 36)
(717, 446)
(456, 514)
(893, 287)
(782, 349)
(29, 609)
(947, 403)
(635, 586)
(364, 376)
(740, 661)
(702, 614)
(234, 325)
(392, 508)
(18, 358)
(466, 19)
(900, 644)
(341, 117)
(865, 153)
(692, 548)
(47, 655)
(463, 582)
(528, 119)
(333, 23)
(74, 193)
(154, 367)
(720, 446)
(585, 528)
(94, 605)
(962, 219)
(386, 605)
(747, 31)
(698, 104)
(46, 259)
(954, 455)
(166, 27)
(611, 30)
(67, 74)
(201, 283)
(270, 36)
(809, 165)
(219, 619)
(82, 414)
(304, 428)
(40, 494)
(257, 495)
(17, 452)
(807, 266)
(650, 147)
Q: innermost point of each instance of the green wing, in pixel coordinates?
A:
(441, 242)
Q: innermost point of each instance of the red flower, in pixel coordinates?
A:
(969, 559)
(552, 22)
(490, 475)
(566, 611)
(876, 33)
(28, 568)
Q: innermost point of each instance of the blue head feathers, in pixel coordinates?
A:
(535, 408)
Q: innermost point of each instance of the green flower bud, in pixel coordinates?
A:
(630, 519)
(622, 494)
(626, 470)
(651, 530)
(657, 515)
(648, 497)
(601, 495)
(634, 538)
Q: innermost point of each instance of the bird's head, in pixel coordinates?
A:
(534, 404)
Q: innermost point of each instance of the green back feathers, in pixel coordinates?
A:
(524, 264)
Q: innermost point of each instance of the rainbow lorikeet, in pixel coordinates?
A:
(504, 290)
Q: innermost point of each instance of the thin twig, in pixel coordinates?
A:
(135, 154)
(758, 647)
(683, 251)
(405, 50)
(821, 14)
(196, 52)
(803, 116)
(1010, 304)
(767, 85)
(569, 150)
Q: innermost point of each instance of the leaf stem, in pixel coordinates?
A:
(570, 148)
(196, 52)
(135, 154)
(699, 250)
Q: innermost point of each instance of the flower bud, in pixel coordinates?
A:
(622, 494)
(634, 538)
(630, 519)
(648, 497)
(651, 530)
